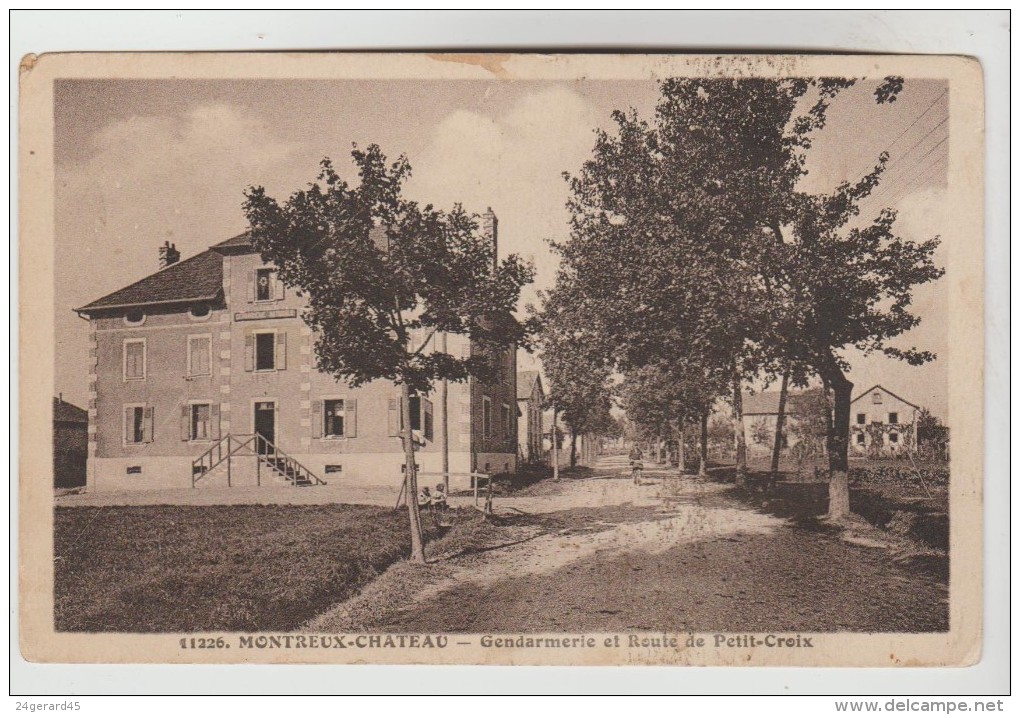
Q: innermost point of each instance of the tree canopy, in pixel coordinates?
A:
(382, 275)
(691, 228)
(377, 268)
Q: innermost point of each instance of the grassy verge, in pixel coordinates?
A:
(231, 568)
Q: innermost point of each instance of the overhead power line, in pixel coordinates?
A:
(903, 133)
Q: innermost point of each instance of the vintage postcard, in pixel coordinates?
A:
(501, 359)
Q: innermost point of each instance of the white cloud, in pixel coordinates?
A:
(145, 180)
(514, 163)
(921, 215)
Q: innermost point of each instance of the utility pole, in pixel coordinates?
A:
(555, 447)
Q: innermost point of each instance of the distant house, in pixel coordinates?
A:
(70, 444)
(761, 411)
(530, 396)
(882, 423)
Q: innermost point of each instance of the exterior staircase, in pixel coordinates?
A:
(225, 453)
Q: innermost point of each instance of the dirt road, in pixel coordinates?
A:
(676, 553)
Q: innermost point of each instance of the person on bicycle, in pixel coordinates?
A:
(635, 463)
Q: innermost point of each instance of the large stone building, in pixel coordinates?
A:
(214, 347)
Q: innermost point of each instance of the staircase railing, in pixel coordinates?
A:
(231, 446)
(281, 462)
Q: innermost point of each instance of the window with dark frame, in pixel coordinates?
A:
(860, 439)
(861, 418)
(893, 437)
(333, 422)
(265, 351)
(894, 418)
(415, 409)
(136, 425)
(201, 423)
(264, 284)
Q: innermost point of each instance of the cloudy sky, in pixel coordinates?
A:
(140, 162)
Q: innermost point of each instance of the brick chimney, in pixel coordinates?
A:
(168, 255)
(490, 229)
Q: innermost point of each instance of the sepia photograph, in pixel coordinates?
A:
(516, 359)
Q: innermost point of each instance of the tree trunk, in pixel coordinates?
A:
(837, 446)
(411, 481)
(740, 440)
(573, 447)
(777, 446)
(555, 446)
(444, 398)
(681, 456)
(703, 465)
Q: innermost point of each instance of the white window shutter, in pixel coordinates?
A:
(214, 420)
(249, 351)
(250, 286)
(393, 417)
(316, 419)
(428, 420)
(185, 422)
(278, 287)
(281, 351)
(350, 418)
(147, 435)
(128, 414)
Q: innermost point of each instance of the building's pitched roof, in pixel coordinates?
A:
(66, 412)
(888, 392)
(239, 241)
(197, 278)
(526, 380)
(243, 241)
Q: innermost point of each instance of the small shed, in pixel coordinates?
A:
(70, 444)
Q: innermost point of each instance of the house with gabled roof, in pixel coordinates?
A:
(882, 423)
(203, 373)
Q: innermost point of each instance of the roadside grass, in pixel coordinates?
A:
(915, 525)
(216, 568)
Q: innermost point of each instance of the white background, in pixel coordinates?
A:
(982, 34)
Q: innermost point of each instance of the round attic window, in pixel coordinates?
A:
(134, 317)
(199, 311)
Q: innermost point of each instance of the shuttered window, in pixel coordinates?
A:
(199, 355)
(265, 284)
(334, 418)
(137, 424)
(134, 359)
(201, 422)
(393, 417)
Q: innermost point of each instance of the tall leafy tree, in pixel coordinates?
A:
(382, 275)
(701, 218)
(577, 370)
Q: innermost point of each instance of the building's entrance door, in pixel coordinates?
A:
(265, 424)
